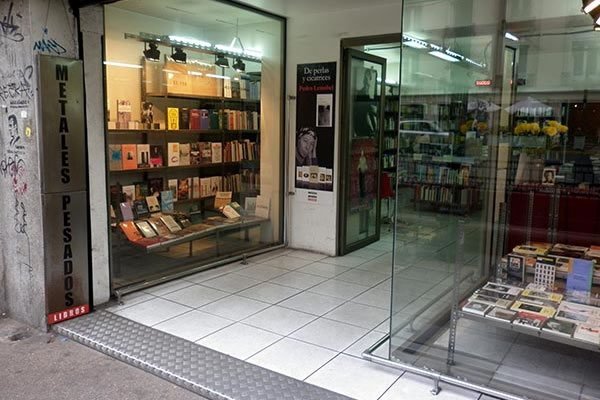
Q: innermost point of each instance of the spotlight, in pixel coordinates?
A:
(178, 55)
(239, 65)
(590, 5)
(221, 60)
(152, 53)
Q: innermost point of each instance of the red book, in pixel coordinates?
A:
(129, 156)
(194, 118)
(131, 231)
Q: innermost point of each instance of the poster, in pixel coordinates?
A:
(315, 126)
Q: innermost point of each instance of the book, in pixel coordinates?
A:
(173, 154)
(172, 185)
(545, 271)
(557, 327)
(128, 193)
(156, 156)
(141, 190)
(568, 251)
(530, 320)
(230, 213)
(205, 153)
(145, 228)
(578, 313)
(529, 308)
(217, 154)
(497, 295)
(195, 119)
(183, 189)
(588, 333)
(140, 208)
(115, 157)
(155, 186)
(170, 223)
(172, 118)
(159, 227)
(263, 207)
(501, 314)
(539, 302)
(166, 201)
(129, 156)
(493, 301)
(130, 231)
(195, 157)
(126, 211)
(580, 278)
(143, 156)
(502, 288)
(184, 118)
(196, 187)
(250, 205)
(204, 187)
(153, 204)
(184, 154)
(537, 294)
(516, 267)
(215, 185)
(222, 199)
(204, 119)
(532, 250)
(474, 307)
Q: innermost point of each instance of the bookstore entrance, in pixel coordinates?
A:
(194, 111)
(489, 122)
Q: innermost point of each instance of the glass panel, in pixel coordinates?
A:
(194, 107)
(364, 130)
(495, 277)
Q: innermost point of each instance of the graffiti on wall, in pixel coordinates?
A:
(9, 24)
(48, 45)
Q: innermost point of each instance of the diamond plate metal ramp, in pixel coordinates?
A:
(206, 372)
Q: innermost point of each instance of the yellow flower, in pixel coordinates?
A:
(553, 123)
(562, 129)
(551, 131)
(534, 128)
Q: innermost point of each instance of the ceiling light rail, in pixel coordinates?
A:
(195, 45)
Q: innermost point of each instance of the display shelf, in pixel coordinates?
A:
(122, 132)
(177, 167)
(446, 185)
(186, 235)
(562, 275)
(531, 332)
(214, 99)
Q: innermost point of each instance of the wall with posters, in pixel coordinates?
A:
(27, 28)
(315, 38)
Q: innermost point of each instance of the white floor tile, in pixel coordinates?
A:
(312, 303)
(293, 358)
(287, 262)
(269, 292)
(411, 386)
(231, 283)
(282, 321)
(239, 340)
(214, 272)
(359, 315)
(169, 287)
(359, 379)
(361, 277)
(375, 298)
(193, 325)
(365, 342)
(384, 327)
(152, 312)
(330, 334)
(234, 307)
(307, 255)
(269, 255)
(298, 280)
(368, 254)
(195, 296)
(344, 261)
(340, 289)
(130, 300)
(324, 270)
(262, 272)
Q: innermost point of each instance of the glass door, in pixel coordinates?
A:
(361, 142)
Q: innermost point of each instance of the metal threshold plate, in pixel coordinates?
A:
(206, 372)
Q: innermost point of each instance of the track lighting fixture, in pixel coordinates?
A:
(151, 51)
(221, 60)
(239, 65)
(178, 55)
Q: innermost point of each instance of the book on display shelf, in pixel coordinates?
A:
(158, 226)
(155, 186)
(173, 154)
(130, 231)
(222, 199)
(196, 194)
(570, 251)
(184, 154)
(543, 295)
(530, 320)
(217, 152)
(516, 267)
(172, 118)
(140, 208)
(230, 213)
(533, 249)
(547, 312)
(145, 228)
(195, 154)
(557, 327)
(172, 185)
(153, 204)
(170, 223)
(588, 333)
(129, 156)
(183, 189)
(156, 156)
(539, 302)
(497, 295)
(501, 314)
(580, 278)
(477, 308)
(115, 157)
(503, 288)
(126, 211)
(493, 301)
(166, 201)
(143, 156)
(578, 313)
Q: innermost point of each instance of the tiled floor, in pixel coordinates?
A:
(295, 312)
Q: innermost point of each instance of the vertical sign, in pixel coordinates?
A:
(64, 187)
(315, 129)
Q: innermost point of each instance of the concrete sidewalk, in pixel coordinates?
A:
(36, 365)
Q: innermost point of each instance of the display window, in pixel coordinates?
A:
(496, 161)
(194, 116)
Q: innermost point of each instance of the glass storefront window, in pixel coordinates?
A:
(497, 233)
(194, 101)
